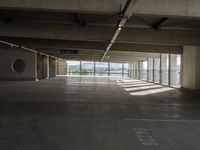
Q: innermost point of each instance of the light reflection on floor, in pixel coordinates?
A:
(141, 88)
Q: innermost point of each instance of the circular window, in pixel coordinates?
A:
(18, 66)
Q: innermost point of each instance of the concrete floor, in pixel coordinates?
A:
(91, 113)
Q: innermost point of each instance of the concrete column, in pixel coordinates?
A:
(165, 69)
(67, 67)
(47, 67)
(160, 68)
(52, 67)
(123, 69)
(44, 66)
(157, 71)
(139, 70)
(36, 67)
(94, 68)
(148, 69)
(131, 69)
(142, 70)
(108, 68)
(57, 67)
(80, 68)
(136, 70)
(39, 66)
(198, 68)
(191, 67)
(173, 70)
(153, 70)
(61, 67)
(169, 70)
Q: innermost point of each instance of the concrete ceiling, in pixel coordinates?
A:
(153, 26)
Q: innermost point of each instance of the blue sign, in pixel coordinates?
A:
(68, 51)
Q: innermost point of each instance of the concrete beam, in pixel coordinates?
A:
(113, 56)
(57, 44)
(86, 6)
(102, 34)
(134, 54)
(94, 58)
(99, 53)
(52, 31)
(150, 48)
(168, 37)
(182, 8)
(177, 8)
(93, 45)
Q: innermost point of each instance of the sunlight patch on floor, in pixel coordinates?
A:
(141, 88)
(155, 91)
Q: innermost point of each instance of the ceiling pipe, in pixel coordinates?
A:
(28, 49)
(8, 43)
(124, 16)
(25, 48)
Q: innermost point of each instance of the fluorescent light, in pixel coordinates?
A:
(119, 28)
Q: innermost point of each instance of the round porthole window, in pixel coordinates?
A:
(18, 66)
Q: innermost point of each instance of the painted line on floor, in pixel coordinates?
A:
(155, 120)
(144, 136)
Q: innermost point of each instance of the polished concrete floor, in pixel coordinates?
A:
(97, 113)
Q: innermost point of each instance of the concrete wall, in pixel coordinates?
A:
(61, 67)
(191, 68)
(37, 66)
(8, 55)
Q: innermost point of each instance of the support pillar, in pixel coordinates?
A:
(139, 71)
(36, 68)
(47, 59)
(160, 68)
(153, 70)
(108, 68)
(80, 72)
(94, 68)
(191, 67)
(148, 68)
(123, 69)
